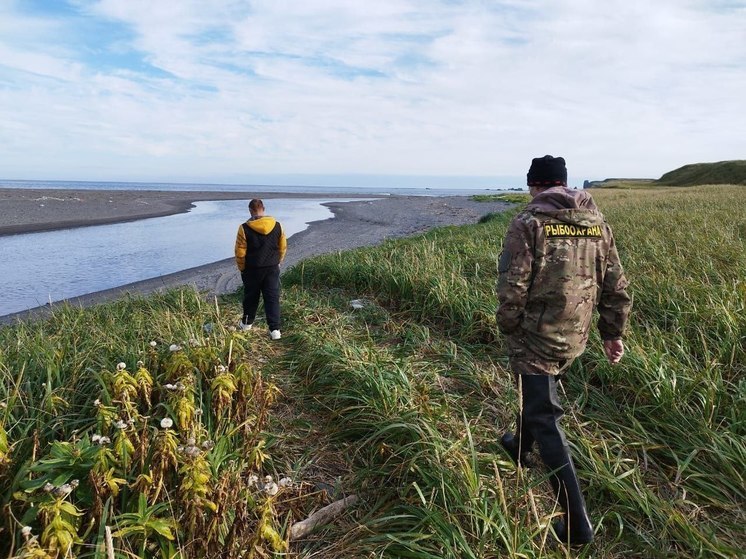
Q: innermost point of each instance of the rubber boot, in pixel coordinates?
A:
(575, 528)
(541, 414)
(512, 446)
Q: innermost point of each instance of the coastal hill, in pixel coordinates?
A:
(721, 172)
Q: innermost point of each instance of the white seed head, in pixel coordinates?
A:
(169, 386)
(208, 445)
(63, 490)
(267, 479)
(271, 488)
(194, 342)
(191, 441)
(121, 366)
(220, 368)
(96, 438)
(286, 482)
(48, 487)
(104, 440)
(166, 423)
(174, 347)
(141, 364)
(120, 424)
(253, 480)
(26, 531)
(153, 343)
(97, 403)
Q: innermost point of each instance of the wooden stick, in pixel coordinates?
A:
(322, 516)
(109, 543)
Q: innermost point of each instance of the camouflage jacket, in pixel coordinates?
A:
(558, 263)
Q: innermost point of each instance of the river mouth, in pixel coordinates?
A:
(44, 267)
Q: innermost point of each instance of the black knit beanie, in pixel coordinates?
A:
(547, 171)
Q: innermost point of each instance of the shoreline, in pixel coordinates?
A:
(28, 210)
(366, 222)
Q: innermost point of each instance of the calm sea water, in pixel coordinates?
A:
(318, 190)
(55, 265)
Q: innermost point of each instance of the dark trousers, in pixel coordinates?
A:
(265, 282)
(538, 421)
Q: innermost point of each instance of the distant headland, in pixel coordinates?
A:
(720, 172)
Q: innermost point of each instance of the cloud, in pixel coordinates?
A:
(203, 90)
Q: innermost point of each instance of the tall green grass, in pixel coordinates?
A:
(660, 438)
(401, 402)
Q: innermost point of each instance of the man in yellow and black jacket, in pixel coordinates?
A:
(260, 248)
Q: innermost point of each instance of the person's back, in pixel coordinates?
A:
(262, 236)
(568, 252)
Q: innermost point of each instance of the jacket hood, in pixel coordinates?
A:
(566, 205)
(262, 225)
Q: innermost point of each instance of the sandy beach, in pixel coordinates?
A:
(355, 224)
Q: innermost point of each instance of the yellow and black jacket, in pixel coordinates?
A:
(260, 243)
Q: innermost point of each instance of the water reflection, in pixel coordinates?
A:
(56, 265)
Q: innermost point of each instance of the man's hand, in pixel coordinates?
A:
(614, 349)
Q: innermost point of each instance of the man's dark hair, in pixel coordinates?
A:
(255, 205)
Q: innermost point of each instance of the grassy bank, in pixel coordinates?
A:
(400, 402)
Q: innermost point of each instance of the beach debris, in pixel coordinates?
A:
(322, 516)
(357, 303)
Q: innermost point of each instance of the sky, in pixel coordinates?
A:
(456, 93)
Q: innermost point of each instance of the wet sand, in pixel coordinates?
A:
(355, 224)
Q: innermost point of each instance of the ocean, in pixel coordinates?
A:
(318, 190)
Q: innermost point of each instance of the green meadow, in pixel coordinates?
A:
(150, 427)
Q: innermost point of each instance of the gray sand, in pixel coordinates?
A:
(356, 224)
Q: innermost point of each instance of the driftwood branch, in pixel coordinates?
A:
(109, 543)
(322, 516)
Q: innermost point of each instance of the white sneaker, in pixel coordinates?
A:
(275, 335)
(243, 327)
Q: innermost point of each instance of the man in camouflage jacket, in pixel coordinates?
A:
(559, 263)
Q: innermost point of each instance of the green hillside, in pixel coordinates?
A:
(721, 172)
